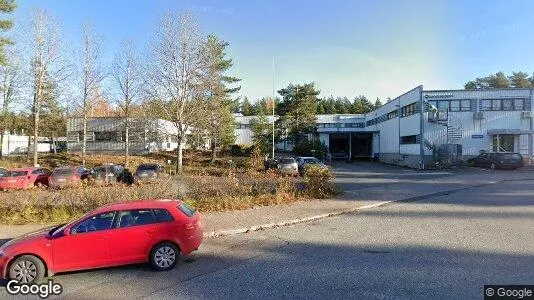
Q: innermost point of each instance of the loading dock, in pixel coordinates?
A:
(351, 144)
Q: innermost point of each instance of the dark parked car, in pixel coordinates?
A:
(107, 174)
(494, 160)
(148, 172)
(68, 176)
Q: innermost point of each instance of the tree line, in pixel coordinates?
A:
(328, 105)
(499, 80)
(182, 78)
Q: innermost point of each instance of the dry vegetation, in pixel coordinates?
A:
(228, 184)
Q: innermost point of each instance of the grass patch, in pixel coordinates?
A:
(228, 184)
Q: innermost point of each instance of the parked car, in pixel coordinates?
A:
(148, 172)
(270, 163)
(288, 166)
(303, 162)
(67, 176)
(3, 172)
(25, 178)
(494, 160)
(154, 231)
(107, 174)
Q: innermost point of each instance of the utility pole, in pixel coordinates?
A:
(273, 108)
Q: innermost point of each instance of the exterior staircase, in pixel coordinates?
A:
(453, 128)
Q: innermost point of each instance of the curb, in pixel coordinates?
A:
(230, 232)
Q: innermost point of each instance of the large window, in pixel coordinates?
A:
(465, 105)
(455, 105)
(496, 104)
(408, 139)
(107, 136)
(485, 104)
(443, 105)
(502, 104)
(408, 110)
(519, 104)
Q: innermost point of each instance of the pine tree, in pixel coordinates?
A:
(246, 108)
(6, 6)
(519, 80)
(377, 104)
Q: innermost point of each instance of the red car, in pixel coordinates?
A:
(25, 178)
(155, 231)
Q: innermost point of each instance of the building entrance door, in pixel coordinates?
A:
(503, 143)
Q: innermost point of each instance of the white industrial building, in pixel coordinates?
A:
(420, 127)
(107, 135)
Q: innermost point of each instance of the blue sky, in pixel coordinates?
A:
(375, 48)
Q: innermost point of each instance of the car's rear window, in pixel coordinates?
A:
(512, 156)
(16, 173)
(186, 209)
(63, 171)
(162, 215)
(312, 161)
(100, 170)
(287, 161)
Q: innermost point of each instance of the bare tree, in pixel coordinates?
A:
(174, 76)
(10, 76)
(92, 77)
(45, 55)
(127, 79)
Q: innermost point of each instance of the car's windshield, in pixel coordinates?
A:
(63, 171)
(287, 161)
(147, 167)
(312, 161)
(16, 173)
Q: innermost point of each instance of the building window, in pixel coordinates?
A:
(408, 110)
(443, 105)
(519, 104)
(408, 139)
(392, 114)
(465, 105)
(486, 104)
(432, 105)
(454, 105)
(495, 104)
(106, 136)
(508, 104)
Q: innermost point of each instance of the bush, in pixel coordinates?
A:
(318, 181)
(241, 150)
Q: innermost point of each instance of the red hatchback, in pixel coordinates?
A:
(25, 178)
(155, 231)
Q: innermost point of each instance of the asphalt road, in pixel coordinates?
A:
(445, 247)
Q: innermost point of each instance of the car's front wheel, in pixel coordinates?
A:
(27, 269)
(164, 256)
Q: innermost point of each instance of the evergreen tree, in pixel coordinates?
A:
(246, 108)
(377, 104)
(519, 80)
(298, 108)
(6, 6)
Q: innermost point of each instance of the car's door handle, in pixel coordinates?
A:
(102, 238)
(150, 231)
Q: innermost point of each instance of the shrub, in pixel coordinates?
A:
(318, 181)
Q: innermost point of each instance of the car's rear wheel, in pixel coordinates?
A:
(164, 256)
(27, 269)
(492, 166)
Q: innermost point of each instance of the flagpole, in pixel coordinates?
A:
(273, 107)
